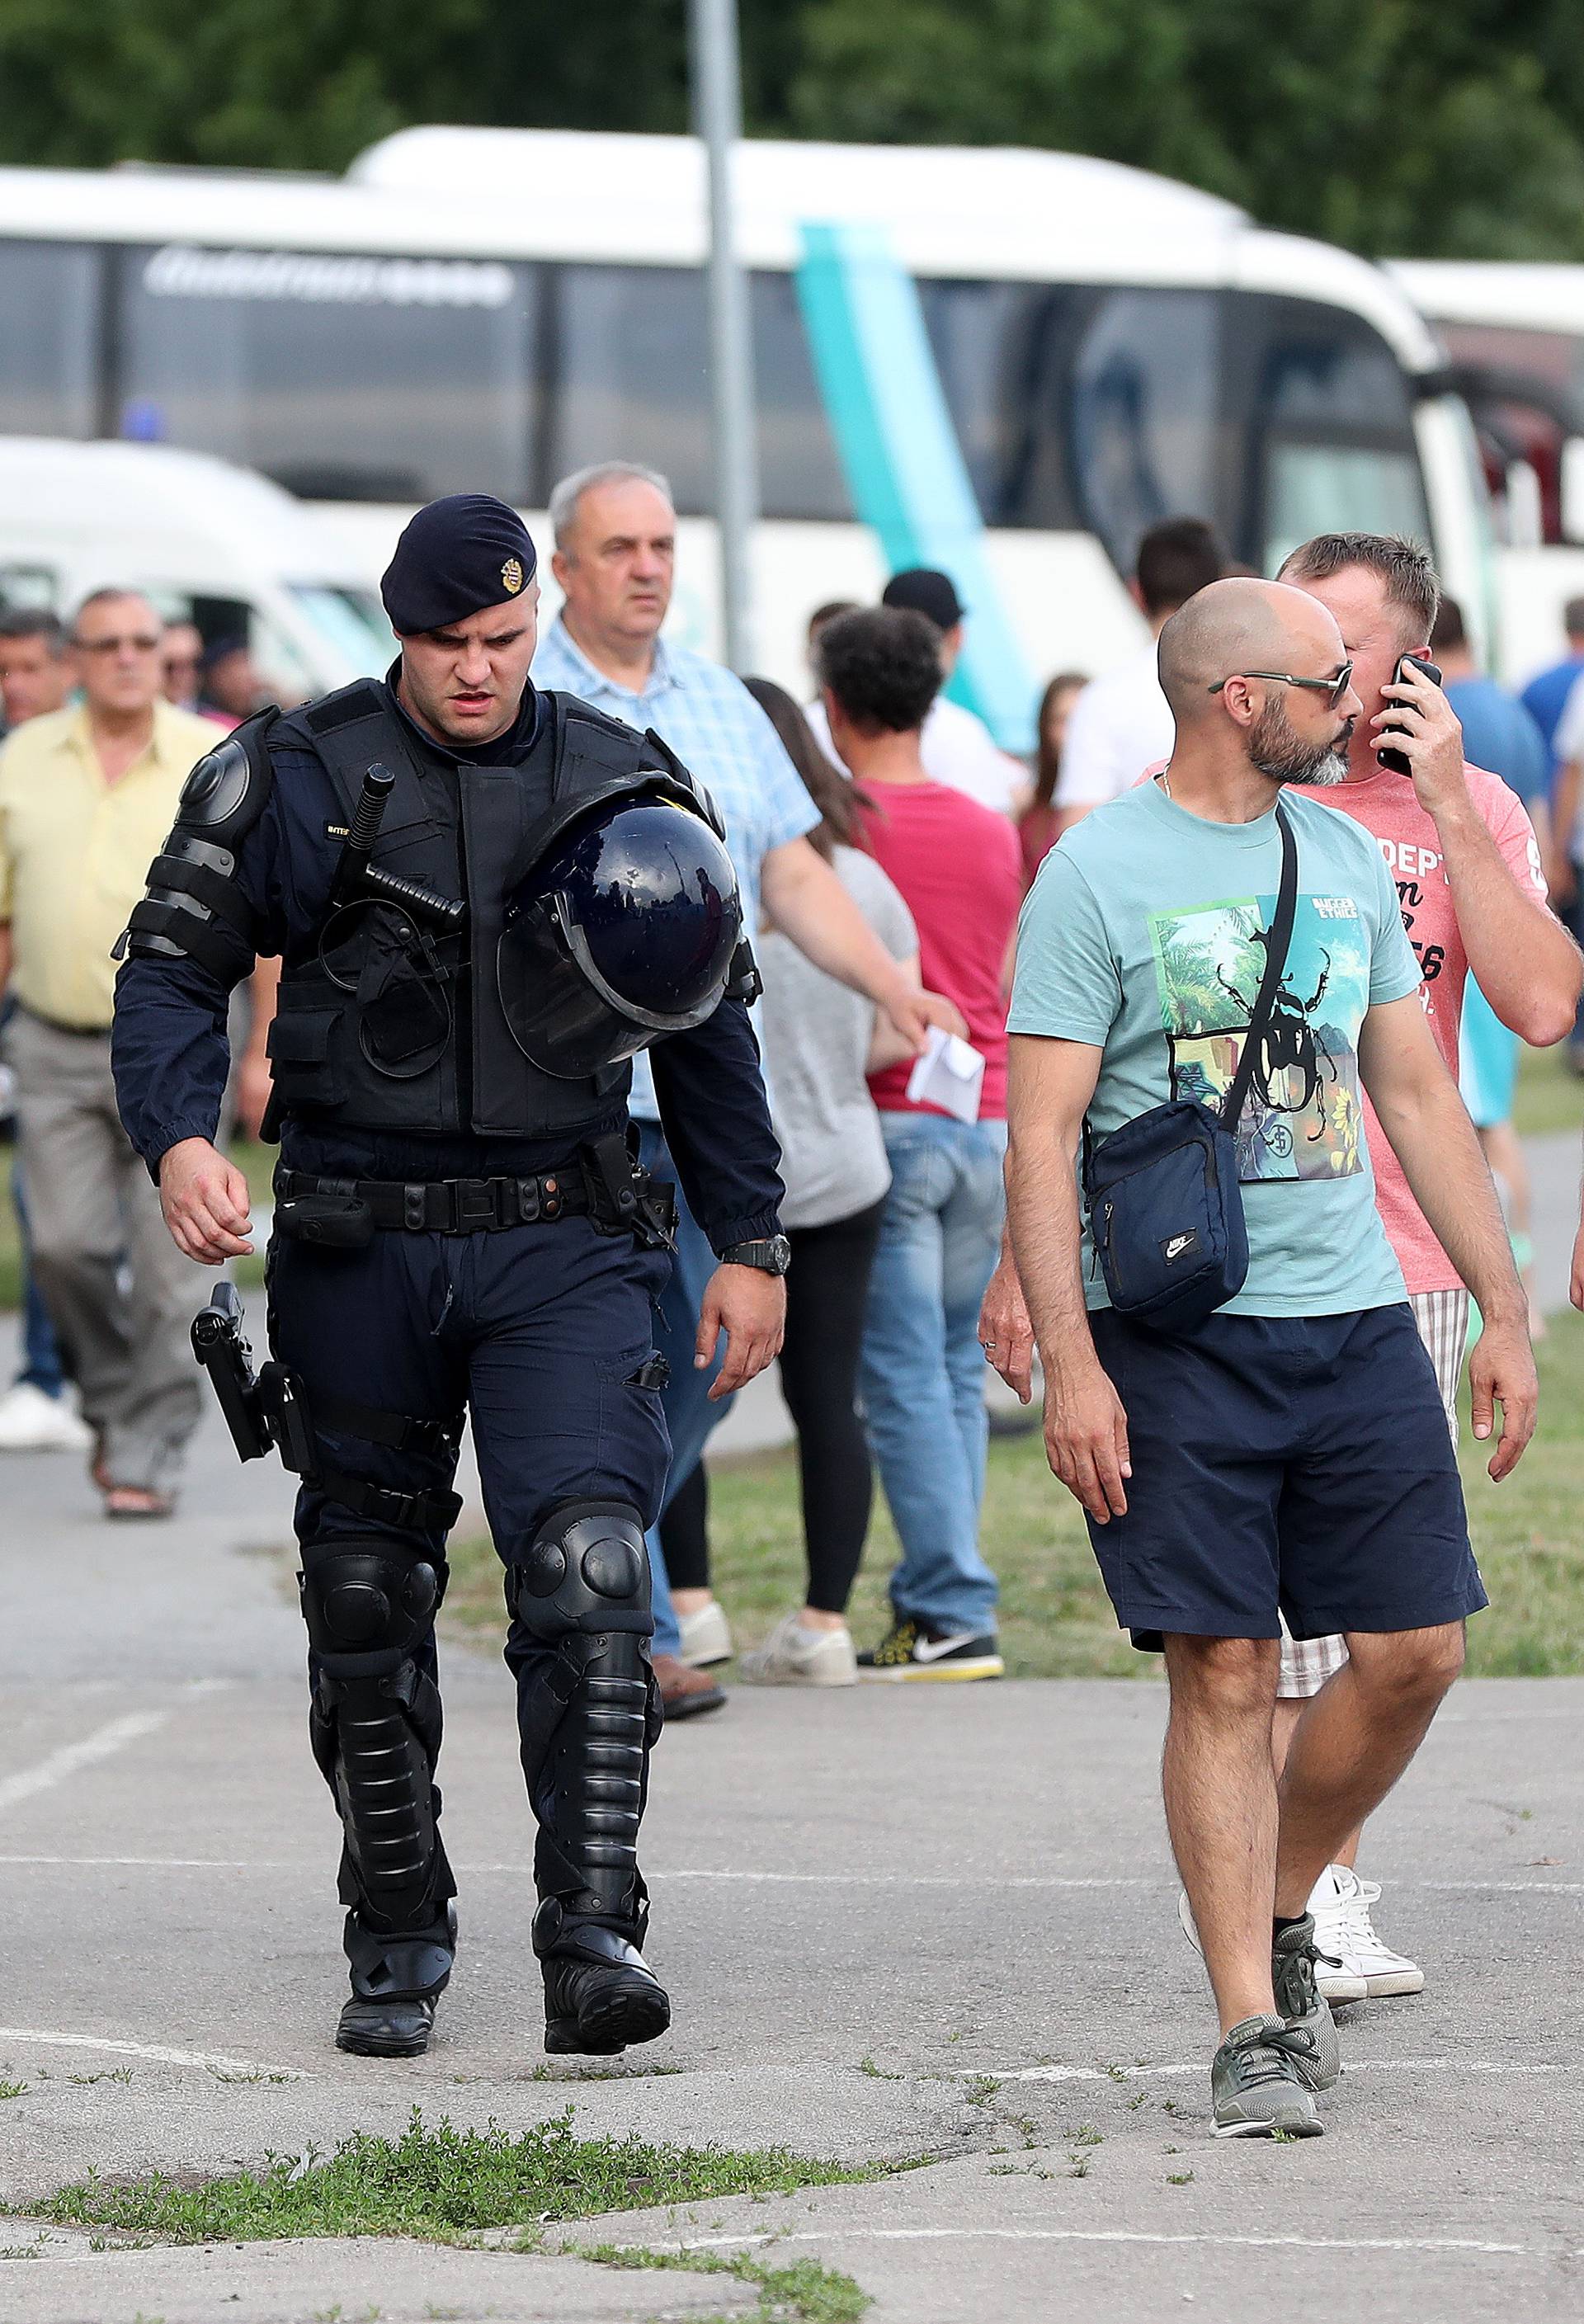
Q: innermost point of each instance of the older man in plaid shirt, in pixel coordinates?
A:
(615, 532)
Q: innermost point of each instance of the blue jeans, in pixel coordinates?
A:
(40, 1351)
(690, 1416)
(923, 1370)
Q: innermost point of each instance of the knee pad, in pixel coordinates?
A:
(586, 1572)
(583, 1588)
(374, 1721)
(367, 1604)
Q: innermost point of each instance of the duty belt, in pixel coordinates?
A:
(603, 1184)
(434, 1205)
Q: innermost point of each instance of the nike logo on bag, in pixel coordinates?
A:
(1179, 1244)
(931, 1650)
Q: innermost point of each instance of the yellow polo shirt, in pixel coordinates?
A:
(75, 853)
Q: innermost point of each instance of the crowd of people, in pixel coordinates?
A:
(1302, 1559)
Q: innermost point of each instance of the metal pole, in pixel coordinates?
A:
(717, 110)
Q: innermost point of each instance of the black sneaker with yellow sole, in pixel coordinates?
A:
(911, 1651)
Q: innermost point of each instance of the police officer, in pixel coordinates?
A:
(474, 936)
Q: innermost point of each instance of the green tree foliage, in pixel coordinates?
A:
(1391, 125)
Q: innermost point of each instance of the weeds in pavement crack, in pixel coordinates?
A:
(806, 2293)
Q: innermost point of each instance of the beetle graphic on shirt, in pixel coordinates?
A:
(1303, 1116)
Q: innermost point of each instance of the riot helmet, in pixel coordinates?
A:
(622, 930)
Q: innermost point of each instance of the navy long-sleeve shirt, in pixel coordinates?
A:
(171, 1054)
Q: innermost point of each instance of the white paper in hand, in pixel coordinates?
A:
(948, 1074)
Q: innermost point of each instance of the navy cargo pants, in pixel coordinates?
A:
(542, 1331)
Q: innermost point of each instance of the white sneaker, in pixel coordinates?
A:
(794, 1656)
(32, 1422)
(1343, 1926)
(1344, 1984)
(705, 1638)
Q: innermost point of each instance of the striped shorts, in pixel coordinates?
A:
(1443, 1317)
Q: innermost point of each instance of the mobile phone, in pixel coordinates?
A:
(1393, 761)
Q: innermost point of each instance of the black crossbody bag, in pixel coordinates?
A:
(1166, 1210)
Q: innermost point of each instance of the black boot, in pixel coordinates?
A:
(600, 1992)
(396, 1982)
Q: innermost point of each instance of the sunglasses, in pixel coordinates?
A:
(1334, 689)
(138, 643)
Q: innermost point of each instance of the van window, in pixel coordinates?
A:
(50, 304)
(342, 376)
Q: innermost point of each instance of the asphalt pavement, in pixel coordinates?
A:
(896, 1924)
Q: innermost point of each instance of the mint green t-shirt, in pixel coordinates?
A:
(1139, 936)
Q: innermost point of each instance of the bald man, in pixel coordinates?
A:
(1290, 1453)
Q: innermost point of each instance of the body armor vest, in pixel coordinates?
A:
(369, 1021)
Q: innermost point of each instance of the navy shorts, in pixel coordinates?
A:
(1299, 1465)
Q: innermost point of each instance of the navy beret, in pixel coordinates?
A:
(455, 558)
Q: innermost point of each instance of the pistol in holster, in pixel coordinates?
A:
(624, 1198)
(264, 1410)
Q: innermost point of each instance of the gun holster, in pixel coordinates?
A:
(622, 1198)
(264, 1411)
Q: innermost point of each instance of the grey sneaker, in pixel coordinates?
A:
(1302, 2004)
(1257, 2081)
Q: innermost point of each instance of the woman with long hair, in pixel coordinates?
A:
(1043, 822)
(820, 1042)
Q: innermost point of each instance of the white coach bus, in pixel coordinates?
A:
(489, 308)
(1513, 335)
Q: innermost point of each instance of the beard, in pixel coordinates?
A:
(1278, 751)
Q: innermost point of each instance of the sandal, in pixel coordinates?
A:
(135, 1504)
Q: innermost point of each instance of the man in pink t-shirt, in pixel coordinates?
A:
(959, 868)
(1466, 867)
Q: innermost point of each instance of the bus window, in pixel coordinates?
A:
(799, 473)
(996, 345)
(1145, 412)
(1312, 488)
(49, 339)
(629, 350)
(1327, 417)
(1081, 409)
(626, 346)
(343, 377)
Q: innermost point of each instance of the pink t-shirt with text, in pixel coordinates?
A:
(1387, 805)
(960, 870)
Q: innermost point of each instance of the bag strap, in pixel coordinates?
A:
(1276, 961)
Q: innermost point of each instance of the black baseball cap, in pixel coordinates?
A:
(922, 590)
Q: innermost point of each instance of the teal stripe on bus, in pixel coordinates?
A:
(899, 452)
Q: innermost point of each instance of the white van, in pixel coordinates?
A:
(206, 542)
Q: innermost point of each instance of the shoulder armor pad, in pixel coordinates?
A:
(226, 793)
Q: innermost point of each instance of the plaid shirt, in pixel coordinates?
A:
(721, 736)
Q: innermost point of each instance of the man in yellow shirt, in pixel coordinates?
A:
(86, 796)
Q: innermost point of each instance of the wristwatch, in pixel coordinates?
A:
(772, 1255)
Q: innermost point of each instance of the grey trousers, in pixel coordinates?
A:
(120, 1295)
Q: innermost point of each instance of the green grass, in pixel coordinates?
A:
(434, 2182)
(1526, 1532)
(1549, 1096)
(804, 2293)
(1056, 1621)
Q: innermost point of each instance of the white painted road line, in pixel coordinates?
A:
(1200, 2066)
(853, 1879)
(102, 1743)
(47, 2038)
(843, 2234)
